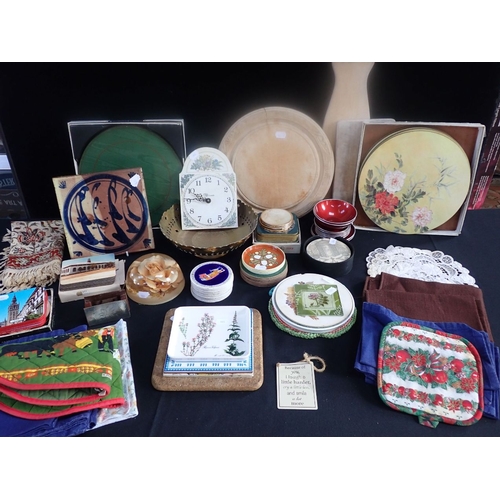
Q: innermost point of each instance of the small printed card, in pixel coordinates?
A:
(317, 300)
(24, 311)
(296, 386)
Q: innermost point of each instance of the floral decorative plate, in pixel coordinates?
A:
(331, 303)
(414, 180)
(214, 333)
(104, 212)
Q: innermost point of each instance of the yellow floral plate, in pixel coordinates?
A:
(414, 180)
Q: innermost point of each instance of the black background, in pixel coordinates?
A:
(37, 100)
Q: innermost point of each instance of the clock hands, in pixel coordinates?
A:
(200, 197)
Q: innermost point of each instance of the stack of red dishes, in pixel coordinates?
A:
(334, 219)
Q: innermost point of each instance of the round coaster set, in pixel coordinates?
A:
(263, 265)
(330, 256)
(276, 220)
(277, 225)
(211, 281)
(312, 305)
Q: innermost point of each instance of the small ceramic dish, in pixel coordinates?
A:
(263, 259)
(335, 212)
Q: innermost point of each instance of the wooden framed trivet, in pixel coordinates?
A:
(210, 382)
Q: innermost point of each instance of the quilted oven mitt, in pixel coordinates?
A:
(49, 375)
(431, 374)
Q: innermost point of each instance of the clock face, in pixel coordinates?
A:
(208, 201)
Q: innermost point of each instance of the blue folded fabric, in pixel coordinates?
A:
(70, 425)
(375, 317)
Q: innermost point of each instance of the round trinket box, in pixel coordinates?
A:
(211, 281)
(154, 279)
(263, 264)
(263, 258)
(330, 256)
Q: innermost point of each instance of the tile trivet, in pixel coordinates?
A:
(208, 382)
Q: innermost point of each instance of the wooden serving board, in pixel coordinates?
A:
(210, 382)
(282, 159)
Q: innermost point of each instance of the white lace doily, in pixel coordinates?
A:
(418, 264)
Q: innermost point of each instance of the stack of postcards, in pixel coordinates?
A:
(210, 340)
(87, 276)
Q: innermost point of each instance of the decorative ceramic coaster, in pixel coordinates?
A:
(130, 146)
(263, 280)
(313, 299)
(216, 333)
(414, 180)
(263, 259)
(321, 289)
(307, 334)
(211, 281)
(105, 212)
(309, 330)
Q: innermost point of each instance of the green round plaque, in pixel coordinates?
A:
(129, 146)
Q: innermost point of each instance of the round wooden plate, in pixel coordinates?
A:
(282, 159)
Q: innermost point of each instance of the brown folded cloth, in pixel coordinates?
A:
(429, 301)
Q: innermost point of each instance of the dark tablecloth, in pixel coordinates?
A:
(347, 406)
